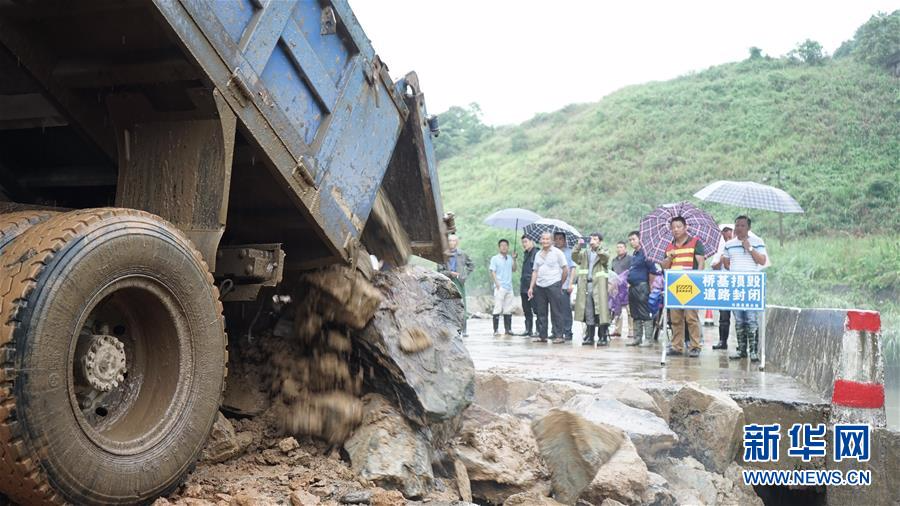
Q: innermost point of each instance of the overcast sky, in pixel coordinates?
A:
(518, 58)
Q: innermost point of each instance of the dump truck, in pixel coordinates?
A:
(162, 161)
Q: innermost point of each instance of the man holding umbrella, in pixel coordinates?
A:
(550, 272)
(684, 253)
(745, 253)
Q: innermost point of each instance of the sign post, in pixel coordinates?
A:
(721, 290)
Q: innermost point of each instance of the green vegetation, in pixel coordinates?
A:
(826, 131)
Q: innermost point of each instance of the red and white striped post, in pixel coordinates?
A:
(858, 395)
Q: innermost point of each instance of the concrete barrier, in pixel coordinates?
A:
(835, 352)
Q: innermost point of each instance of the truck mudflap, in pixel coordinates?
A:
(310, 92)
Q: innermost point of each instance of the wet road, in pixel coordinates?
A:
(594, 366)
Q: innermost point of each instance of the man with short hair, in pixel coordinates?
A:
(458, 267)
(640, 277)
(559, 239)
(745, 253)
(592, 296)
(525, 282)
(620, 264)
(724, 314)
(684, 253)
(550, 272)
(502, 266)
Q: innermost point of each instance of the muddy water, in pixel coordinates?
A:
(595, 366)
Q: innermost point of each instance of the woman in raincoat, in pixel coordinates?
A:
(592, 277)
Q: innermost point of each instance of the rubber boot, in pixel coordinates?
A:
(507, 324)
(603, 335)
(589, 335)
(638, 334)
(753, 337)
(496, 325)
(741, 351)
(647, 329)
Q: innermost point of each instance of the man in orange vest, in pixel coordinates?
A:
(684, 253)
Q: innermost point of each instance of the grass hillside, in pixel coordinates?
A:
(832, 129)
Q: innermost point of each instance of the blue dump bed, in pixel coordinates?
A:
(308, 88)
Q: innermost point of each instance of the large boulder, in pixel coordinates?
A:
(630, 395)
(649, 433)
(500, 455)
(574, 449)
(623, 478)
(523, 397)
(436, 382)
(691, 483)
(386, 450)
(709, 425)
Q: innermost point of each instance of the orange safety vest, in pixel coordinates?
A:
(684, 255)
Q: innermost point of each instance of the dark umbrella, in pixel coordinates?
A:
(551, 225)
(656, 234)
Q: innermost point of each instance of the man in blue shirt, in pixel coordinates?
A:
(639, 291)
(502, 266)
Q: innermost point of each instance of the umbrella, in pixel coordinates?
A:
(534, 230)
(656, 234)
(511, 218)
(750, 195)
(753, 196)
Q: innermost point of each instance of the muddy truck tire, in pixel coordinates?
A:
(113, 348)
(14, 224)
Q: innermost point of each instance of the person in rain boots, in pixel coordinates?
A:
(458, 267)
(640, 274)
(745, 253)
(592, 296)
(502, 266)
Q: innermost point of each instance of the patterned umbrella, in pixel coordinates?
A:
(656, 234)
(534, 230)
(750, 195)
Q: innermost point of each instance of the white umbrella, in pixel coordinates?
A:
(750, 195)
(512, 218)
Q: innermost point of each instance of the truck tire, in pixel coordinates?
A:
(113, 353)
(13, 224)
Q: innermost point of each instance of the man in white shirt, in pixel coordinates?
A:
(550, 273)
(745, 253)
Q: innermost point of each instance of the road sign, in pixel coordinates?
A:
(743, 291)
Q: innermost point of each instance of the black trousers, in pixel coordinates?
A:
(548, 299)
(528, 311)
(724, 325)
(639, 301)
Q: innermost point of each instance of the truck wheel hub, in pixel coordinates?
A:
(104, 363)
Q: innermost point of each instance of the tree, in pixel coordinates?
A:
(878, 40)
(809, 51)
(460, 127)
(845, 49)
(755, 53)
